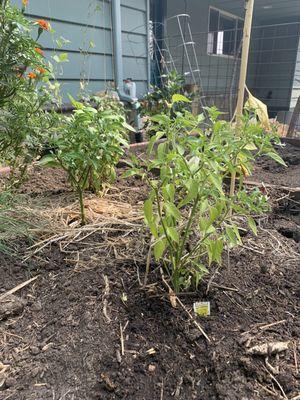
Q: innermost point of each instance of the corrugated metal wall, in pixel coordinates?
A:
(87, 25)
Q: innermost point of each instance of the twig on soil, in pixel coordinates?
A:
(211, 279)
(264, 327)
(122, 340)
(148, 261)
(274, 370)
(295, 357)
(272, 392)
(230, 289)
(184, 307)
(178, 388)
(11, 334)
(162, 390)
(16, 288)
(277, 383)
(252, 249)
(105, 295)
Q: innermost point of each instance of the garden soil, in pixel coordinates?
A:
(96, 332)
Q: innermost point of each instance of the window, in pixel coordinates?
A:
(225, 33)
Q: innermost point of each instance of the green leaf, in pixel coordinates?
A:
(153, 140)
(172, 210)
(129, 173)
(148, 210)
(203, 206)
(128, 127)
(250, 147)
(277, 158)
(231, 236)
(49, 161)
(214, 213)
(237, 234)
(177, 98)
(63, 57)
(76, 104)
(172, 232)
(159, 248)
(161, 149)
(252, 225)
(161, 119)
(206, 226)
(169, 192)
(216, 181)
(214, 250)
(153, 228)
(192, 192)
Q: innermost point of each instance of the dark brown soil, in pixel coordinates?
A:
(269, 171)
(61, 338)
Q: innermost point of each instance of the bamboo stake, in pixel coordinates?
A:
(249, 5)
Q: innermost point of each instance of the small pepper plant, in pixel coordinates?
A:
(89, 145)
(189, 212)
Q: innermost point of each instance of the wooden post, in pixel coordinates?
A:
(245, 56)
(249, 6)
(295, 116)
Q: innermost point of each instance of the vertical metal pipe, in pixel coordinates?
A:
(148, 44)
(118, 52)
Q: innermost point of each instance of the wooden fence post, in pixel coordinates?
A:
(249, 5)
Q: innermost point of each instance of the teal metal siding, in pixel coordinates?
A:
(82, 22)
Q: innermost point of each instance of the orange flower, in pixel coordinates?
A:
(31, 75)
(24, 2)
(41, 70)
(43, 24)
(39, 51)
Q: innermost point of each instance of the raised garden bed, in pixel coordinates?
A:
(86, 328)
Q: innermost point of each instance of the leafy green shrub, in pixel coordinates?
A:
(189, 212)
(24, 90)
(160, 98)
(89, 145)
(24, 130)
(21, 58)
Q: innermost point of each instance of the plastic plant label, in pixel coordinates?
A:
(202, 308)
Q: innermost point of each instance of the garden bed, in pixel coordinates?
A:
(87, 328)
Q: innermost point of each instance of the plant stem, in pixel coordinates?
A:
(187, 231)
(82, 212)
(232, 183)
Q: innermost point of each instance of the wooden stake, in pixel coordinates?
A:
(245, 56)
(249, 5)
(295, 116)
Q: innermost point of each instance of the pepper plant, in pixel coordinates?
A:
(89, 145)
(189, 211)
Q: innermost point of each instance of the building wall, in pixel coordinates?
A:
(272, 63)
(218, 73)
(87, 25)
(272, 56)
(296, 81)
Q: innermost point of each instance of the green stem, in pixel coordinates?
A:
(188, 227)
(82, 212)
(161, 219)
(198, 245)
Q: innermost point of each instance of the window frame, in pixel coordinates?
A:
(225, 14)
